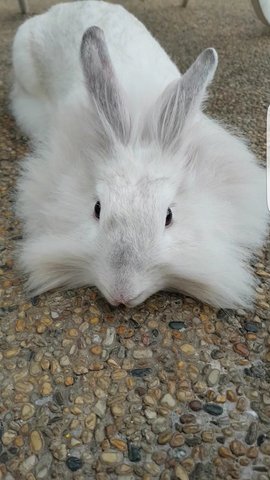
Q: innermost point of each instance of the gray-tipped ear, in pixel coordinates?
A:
(181, 99)
(103, 85)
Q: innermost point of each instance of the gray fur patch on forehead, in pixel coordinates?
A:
(103, 85)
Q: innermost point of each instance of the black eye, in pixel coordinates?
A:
(97, 210)
(168, 217)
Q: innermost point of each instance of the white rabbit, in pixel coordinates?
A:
(130, 187)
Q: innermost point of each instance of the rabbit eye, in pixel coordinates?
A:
(168, 217)
(97, 210)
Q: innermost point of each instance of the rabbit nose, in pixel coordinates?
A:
(121, 300)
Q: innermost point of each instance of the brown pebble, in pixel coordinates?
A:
(225, 452)
(187, 418)
(36, 441)
(252, 452)
(177, 440)
(195, 405)
(159, 457)
(96, 350)
(164, 437)
(208, 436)
(237, 448)
(191, 428)
(244, 461)
(231, 396)
(69, 381)
(46, 389)
(265, 448)
(241, 349)
(119, 375)
(241, 404)
(119, 444)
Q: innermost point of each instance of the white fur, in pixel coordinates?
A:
(209, 179)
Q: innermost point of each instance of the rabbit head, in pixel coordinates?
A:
(131, 211)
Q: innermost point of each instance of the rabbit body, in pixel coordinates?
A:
(130, 187)
(47, 65)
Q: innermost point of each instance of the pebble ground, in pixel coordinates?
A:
(173, 389)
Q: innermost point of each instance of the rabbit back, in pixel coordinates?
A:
(46, 59)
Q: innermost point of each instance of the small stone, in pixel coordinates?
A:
(177, 325)
(8, 437)
(177, 440)
(59, 451)
(187, 348)
(27, 412)
(19, 442)
(123, 470)
(195, 405)
(164, 437)
(134, 453)
(153, 469)
(27, 465)
(220, 398)
(119, 444)
(168, 401)
(266, 399)
(36, 441)
(12, 352)
(90, 421)
(111, 458)
(225, 452)
(100, 408)
(261, 438)
(193, 441)
(231, 396)
(95, 366)
(75, 410)
(213, 377)
(69, 381)
(74, 463)
(79, 400)
(207, 436)
(55, 367)
(118, 410)
(251, 327)
(142, 354)
(20, 325)
(241, 349)
(150, 414)
(241, 404)
(79, 369)
(190, 428)
(237, 448)
(140, 372)
(118, 375)
(64, 361)
(46, 389)
(252, 452)
(24, 387)
(213, 409)
(187, 418)
(181, 473)
(110, 337)
(96, 350)
(73, 332)
(265, 448)
(43, 466)
(251, 433)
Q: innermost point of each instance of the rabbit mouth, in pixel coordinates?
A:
(120, 299)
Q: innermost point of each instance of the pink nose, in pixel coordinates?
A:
(121, 299)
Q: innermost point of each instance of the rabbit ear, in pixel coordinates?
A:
(103, 85)
(181, 99)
